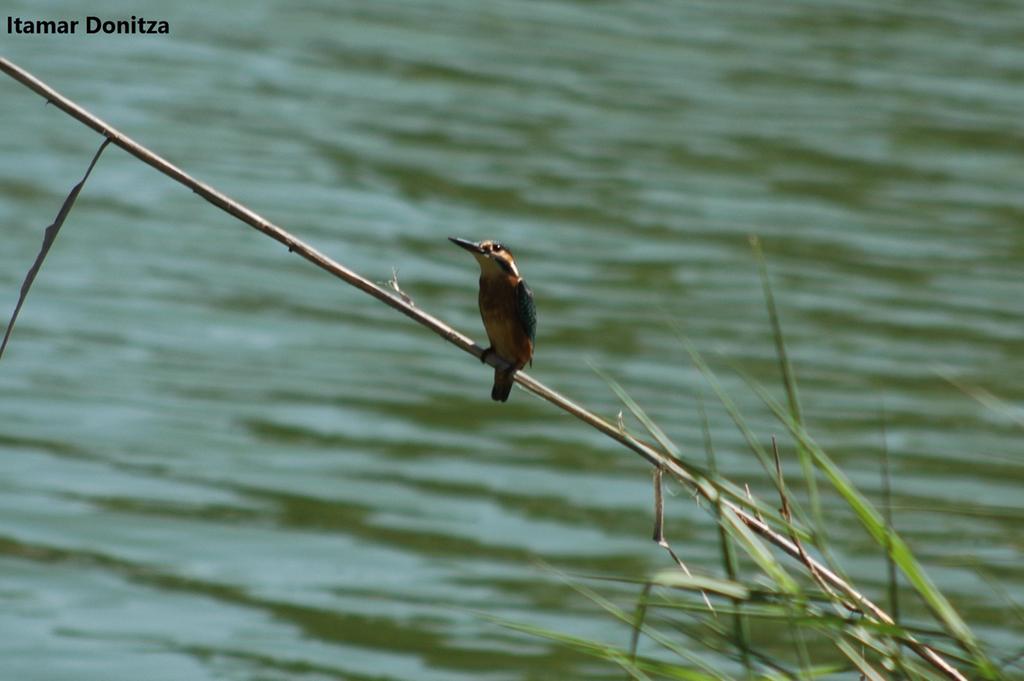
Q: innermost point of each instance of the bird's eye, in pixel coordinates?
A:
(498, 247)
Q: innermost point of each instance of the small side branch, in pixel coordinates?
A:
(787, 515)
(49, 236)
(659, 533)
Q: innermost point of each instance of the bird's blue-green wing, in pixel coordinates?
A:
(527, 310)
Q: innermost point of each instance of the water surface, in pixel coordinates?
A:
(220, 463)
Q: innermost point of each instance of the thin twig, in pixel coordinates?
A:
(49, 236)
(659, 533)
(656, 458)
(741, 626)
(392, 284)
(787, 515)
(750, 498)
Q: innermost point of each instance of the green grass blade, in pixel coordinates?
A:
(866, 670)
(891, 576)
(656, 432)
(772, 613)
(730, 407)
(741, 625)
(758, 552)
(711, 485)
(985, 398)
(681, 580)
(789, 381)
(766, 460)
(639, 613)
(638, 670)
(649, 631)
(888, 539)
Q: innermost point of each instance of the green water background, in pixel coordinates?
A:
(219, 463)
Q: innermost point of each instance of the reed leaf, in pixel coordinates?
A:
(887, 538)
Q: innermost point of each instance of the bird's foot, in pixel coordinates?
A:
(485, 354)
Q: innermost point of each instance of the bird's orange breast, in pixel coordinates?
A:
(499, 310)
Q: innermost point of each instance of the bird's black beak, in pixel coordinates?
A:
(467, 244)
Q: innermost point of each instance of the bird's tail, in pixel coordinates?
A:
(502, 385)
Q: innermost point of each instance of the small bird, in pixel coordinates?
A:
(506, 307)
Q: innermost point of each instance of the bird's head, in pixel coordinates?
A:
(492, 256)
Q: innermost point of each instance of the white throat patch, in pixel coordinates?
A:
(491, 266)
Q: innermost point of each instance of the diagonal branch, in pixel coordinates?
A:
(659, 459)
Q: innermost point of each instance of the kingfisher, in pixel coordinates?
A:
(506, 307)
